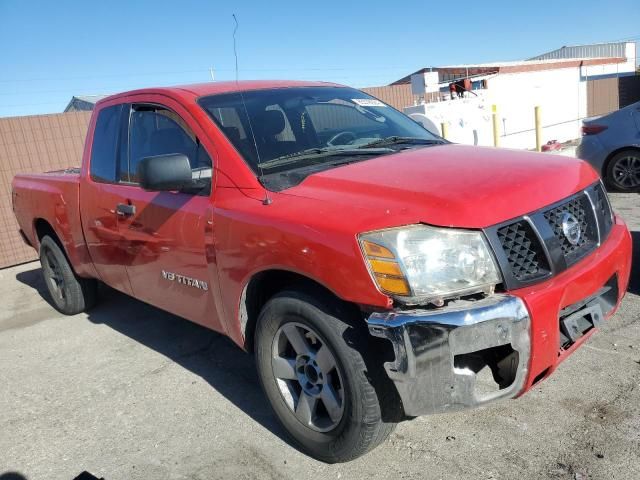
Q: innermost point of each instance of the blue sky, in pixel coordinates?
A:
(51, 50)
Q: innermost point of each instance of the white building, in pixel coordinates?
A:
(556, 82)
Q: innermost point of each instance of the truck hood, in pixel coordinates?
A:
(448, 185)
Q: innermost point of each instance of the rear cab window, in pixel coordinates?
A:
(104, 149)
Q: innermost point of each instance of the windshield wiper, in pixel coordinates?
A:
(396, 140)
(317, 153)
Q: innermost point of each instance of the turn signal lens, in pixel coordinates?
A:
(397, 286)
(385, 267)
(386, 271)
(374, 250)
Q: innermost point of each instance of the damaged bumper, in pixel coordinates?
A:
(459, 357)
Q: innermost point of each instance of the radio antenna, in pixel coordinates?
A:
(267, 199)
(235, 50)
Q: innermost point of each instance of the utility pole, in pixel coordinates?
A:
(213, 78)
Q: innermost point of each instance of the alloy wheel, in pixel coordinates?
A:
(626, 172)
(308, 377)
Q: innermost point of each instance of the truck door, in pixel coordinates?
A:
(100, 197)
(167, 236)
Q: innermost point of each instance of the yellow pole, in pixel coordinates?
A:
(496, 127)
(444, 128)
(538, 129)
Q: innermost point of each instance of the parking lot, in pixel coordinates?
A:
(130, 392)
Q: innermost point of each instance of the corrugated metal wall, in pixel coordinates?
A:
(586, 51)
(34, 144)
(602, 96)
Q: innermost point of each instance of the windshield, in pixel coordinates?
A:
(291, 128)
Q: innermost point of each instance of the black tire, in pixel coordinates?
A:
(361, 427)
(616, 180)
(69, 293)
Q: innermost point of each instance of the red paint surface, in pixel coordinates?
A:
(545, 300)
(310, 229)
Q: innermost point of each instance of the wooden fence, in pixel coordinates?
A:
(30, 144)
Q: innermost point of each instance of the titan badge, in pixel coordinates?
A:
(188, 281)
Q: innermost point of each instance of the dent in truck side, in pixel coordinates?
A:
(157, 231)
(41, 204)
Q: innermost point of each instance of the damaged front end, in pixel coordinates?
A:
(464, 355)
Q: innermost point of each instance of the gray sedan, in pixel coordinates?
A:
(611, 144)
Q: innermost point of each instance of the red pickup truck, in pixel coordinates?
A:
(377, 272)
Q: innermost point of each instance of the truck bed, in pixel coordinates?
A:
(51, 200)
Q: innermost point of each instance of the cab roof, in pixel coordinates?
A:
(211, 88)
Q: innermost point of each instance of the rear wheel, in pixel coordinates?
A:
(623, 171)
(70, 294)
(316, 382)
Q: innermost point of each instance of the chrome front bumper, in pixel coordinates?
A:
(444, 357)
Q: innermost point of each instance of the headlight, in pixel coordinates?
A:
(421, 263)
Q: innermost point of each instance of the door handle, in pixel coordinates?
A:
(125, 210)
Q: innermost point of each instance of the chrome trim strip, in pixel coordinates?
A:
(607, 200)
(543, 244)
(595, 215)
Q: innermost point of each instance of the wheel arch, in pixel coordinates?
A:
(76, 254)
(263, 285)
(41, 228)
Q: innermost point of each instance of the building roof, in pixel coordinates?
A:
(610, 49)
(83, 102)
(90, 98)
(514, 67)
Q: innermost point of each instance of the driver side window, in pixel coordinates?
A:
(153, 131)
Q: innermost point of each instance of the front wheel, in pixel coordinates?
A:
(317, 382)
(623, 171)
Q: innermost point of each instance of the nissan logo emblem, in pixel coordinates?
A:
(571, 228)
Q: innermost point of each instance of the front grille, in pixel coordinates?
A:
(537, 245)
(579, 209)
(523, 250)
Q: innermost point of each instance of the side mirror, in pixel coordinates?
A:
(165, 172)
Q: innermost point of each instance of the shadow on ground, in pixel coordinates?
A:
(209, 355)
(12, 476)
